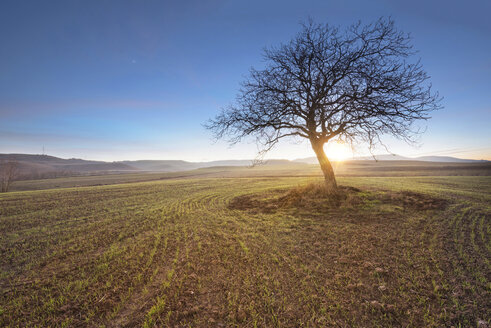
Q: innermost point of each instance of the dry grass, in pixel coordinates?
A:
(248, 253)
(316, 197)
(342, 169)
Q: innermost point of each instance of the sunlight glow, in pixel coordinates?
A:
(338, 151)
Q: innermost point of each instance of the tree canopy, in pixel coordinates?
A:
(327, 83)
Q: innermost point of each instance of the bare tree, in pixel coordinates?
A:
(327, 84)
(8, 173)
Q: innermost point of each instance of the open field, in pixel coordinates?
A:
(399, 251)
(344, 169)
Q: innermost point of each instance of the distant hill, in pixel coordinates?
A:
(389, 157)
(313, 159)
(45, 166)
(448, 159)
(161, 165)
(177, 165)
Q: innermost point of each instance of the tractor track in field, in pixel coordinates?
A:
(178, 252)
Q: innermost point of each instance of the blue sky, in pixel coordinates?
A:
(114, 80)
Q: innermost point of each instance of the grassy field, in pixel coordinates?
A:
(343, 169)
(248, 252)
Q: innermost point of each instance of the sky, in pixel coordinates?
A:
(126, 80)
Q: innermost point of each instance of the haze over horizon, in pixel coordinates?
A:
(117, 81)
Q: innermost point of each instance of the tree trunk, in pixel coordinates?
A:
(326, 166)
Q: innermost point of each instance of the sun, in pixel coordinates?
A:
(338, 151)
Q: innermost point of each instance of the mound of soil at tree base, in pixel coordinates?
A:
(316, 196)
